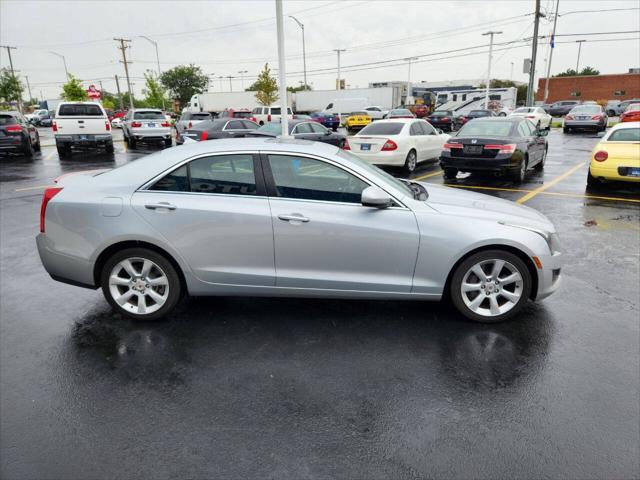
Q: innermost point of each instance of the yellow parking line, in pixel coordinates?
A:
(39, 187)
(550, 184)
(560, 194)
(50, 154)
(432, 174)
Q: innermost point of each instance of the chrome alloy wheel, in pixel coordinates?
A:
(491, 287)
(138, 285)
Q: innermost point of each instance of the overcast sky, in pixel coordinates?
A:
(225, 37)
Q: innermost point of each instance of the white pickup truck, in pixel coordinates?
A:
(81, 124)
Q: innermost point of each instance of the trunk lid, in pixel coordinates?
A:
(370, 143)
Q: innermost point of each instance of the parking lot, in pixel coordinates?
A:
(273, 388)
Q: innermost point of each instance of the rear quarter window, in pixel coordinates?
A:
(625, 135)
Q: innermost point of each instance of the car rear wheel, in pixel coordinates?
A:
(450, 173)
(27, 148)
(168, 142)
(540, 165)
(522, 171)
(566, 130)
(109, 148)
(131, 142)
(140, 284)
(411, 162)
(490, 286)
(63, 152)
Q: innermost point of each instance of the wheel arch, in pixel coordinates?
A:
(507, 248)
(116, 247)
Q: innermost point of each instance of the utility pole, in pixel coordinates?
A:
(511, 75)
(339, 51)
(155, 44)
(282, 73)
(13, 72)
(230, 84)
(534, 52)
(579, 42)
(242, 72)
(552, 43)
(123, 47)
(101, 89)
(220, 77)
(119, 94)
(406, 101)
(488, 84)
(28, 87)
(64, 61)
(304, 53)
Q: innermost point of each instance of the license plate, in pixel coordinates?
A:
(472, 149)
(633, 172)
(151, 124)
(365, 146)
(582, 118)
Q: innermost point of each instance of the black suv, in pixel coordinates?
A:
(17, 134)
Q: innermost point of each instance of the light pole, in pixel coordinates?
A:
(230, 84)
(553, 35)
(486, 92)
(282, 74)
(304, 53)
(338, 84)
(66, 72)
(220, 77)
(406, 100)
(534, 54)
(579, 42)
(242, 72)
(155, 44)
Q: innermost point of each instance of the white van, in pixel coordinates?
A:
(264, 115)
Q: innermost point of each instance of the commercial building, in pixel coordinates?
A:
(621, 86)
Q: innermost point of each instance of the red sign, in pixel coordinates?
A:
(94, 93)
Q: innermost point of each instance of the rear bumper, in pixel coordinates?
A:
(64, 268)
(151, 135)
(584, 125)
(392, 158)
(12, 142)
(84, 140)
(499, 165)
(616, 173)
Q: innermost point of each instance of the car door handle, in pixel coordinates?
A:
(154, 206)
(294, 217)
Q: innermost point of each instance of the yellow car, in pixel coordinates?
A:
(617, 155)
(358, 120)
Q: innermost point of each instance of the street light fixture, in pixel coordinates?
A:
(487, 86)
(63, 61)
(304, 53)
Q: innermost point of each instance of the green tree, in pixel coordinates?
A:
(136, 103)
(570, 72)
(266, 87)
(73, 90)
(154, 95)
(300, 88)
(10, 87)
(184, 81)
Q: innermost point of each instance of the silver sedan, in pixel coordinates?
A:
(275, 217)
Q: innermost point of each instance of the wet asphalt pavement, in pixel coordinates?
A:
(283, 388)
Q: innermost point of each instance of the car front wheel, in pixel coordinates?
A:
(141, 284)
(490, 286)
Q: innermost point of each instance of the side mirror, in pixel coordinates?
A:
(543, 133)
(375, 197)
(328, 132)
(440, 132)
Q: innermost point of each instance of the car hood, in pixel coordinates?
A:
(459, 202)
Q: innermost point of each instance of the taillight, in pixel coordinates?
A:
(165, 124)
(446, 119)
(13, 128)
(596, 117)
(190, 125)
(136, 124)
(269, 118)
(601, 156)
(54, 126)
(253, 119)
(49, 193)
(389, 145)
(204, 135)
(448, 146)
(107, 126)
(506, 148)
(346, 145)
(568, 117)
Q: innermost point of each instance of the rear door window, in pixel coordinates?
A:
(234, 125)
(415, 129)
(228, 174)
(275, 111)
(249, 125)
(303, 128)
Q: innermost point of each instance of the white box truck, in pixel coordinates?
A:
(216, 102)
(350, 99)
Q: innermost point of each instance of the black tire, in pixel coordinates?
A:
(174, 285)
(132, 143)
(611, 113)
(410, 163)
(450, 173)
(565, 130)
(27, 148)
(591, 180)
(108, 148)
(519, 177)
(168, 142)
(63, 152)
(457, 279)
(540, 165)
(37, 147)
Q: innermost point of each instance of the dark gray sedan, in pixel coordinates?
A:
(215, 129)
(585, 117)
(303, 130)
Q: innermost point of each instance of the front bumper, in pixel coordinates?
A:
(549, 276)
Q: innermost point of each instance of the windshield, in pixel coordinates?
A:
(442, 114)
(479, 113)
(625, 135)
(148, 116)
(486, 128)
(380, 128)
(524, 110)
(591, 109)
(403, 187)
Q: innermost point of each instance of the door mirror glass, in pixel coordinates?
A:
(375, 197)
(543, 133)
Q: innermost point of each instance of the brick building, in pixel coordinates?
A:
(621, 86)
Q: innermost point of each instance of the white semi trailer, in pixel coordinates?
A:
(354, 99)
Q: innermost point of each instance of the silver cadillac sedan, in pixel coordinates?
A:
(275, 217)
